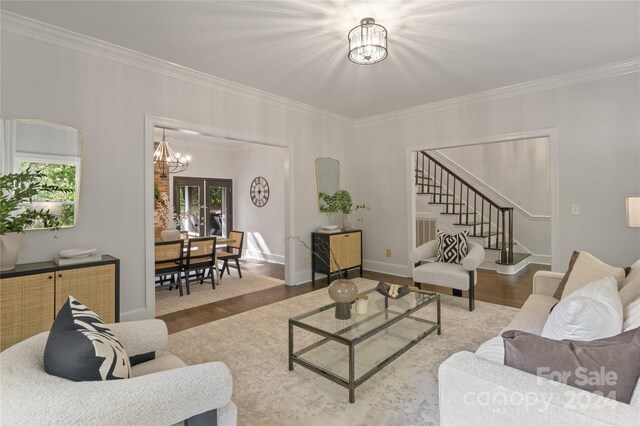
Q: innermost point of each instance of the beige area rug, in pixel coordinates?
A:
(168, 301)
(254, 346)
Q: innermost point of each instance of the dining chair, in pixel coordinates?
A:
(169, 257)
(200, 258)
(238, 240)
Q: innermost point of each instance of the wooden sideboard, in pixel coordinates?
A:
(32, 294)
(346, 247)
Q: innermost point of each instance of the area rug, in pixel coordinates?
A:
(254, 346)
(168, 301)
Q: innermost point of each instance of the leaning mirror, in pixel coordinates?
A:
(54, 151)
(327, 176)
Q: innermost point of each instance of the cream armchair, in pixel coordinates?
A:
(457, 277)
(162, 390)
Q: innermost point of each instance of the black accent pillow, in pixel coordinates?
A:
(452, 248)
(608, 367)
(81, 347)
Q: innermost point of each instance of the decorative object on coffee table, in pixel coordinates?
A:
(343, 292)
(393, 291)
(362, 304)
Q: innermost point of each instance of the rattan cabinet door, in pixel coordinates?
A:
(26, 304)
(354, 248)
(94, 287)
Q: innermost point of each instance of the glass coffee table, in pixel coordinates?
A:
(352, 351)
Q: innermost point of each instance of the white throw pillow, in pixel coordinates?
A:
(631, 316)
(588, 313)
(492, 350)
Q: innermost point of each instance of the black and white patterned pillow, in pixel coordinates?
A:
(452, 248)
(81, 347)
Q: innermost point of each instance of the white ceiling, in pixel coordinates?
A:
(298, 49)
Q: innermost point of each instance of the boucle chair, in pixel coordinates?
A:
(162, 390)
(457, 277)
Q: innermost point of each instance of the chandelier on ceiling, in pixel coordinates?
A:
(167, 161)
(367, 43)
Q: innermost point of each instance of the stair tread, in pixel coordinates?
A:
(517, 258)
(471, 224)
(458, 213)
(486, 234)
(445, 203)
(493, 246)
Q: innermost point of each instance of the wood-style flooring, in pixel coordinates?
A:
(509, 290)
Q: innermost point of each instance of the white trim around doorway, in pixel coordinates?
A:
(151, 121)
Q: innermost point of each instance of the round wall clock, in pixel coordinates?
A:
(259, 191)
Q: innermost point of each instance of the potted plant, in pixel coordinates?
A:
(340, 202)
(17, 191)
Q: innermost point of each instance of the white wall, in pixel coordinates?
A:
(106, 96)
(512, 173)
(599, 163)
(518, 170)
(263, 226)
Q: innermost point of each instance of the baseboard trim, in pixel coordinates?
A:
(135, 315)
(260, 255)
(387, 268)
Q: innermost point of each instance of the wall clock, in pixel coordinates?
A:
(259, 191)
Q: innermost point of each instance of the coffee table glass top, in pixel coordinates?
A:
(323, 319)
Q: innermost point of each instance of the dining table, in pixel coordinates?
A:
(220, 242)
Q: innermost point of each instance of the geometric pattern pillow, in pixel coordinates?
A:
(452, 248)
(81, 347)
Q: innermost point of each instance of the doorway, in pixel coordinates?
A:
(204, 205)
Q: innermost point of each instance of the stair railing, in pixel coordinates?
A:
(452, 187)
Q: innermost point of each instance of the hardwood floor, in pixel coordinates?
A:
(509, 290)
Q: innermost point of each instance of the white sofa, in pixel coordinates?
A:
(162, 391)
(480, 390)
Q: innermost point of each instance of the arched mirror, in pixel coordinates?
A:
(54, 150)
(327, 176)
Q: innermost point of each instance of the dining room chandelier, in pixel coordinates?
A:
(168, 162)
(367, 43)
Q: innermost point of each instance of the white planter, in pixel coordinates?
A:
(9, 249)
(170, 234)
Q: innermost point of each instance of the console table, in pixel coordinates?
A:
(32, 294)
(346, 247)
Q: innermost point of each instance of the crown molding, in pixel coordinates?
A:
(534, 86)
(38, 30)
(21, 25)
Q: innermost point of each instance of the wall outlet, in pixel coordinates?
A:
(575, 209)
(388, 252)
(307, 260)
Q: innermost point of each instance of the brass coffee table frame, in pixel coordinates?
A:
(352, 383)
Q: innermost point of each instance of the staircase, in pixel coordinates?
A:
(463, 206)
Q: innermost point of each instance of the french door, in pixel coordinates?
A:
(204, 206)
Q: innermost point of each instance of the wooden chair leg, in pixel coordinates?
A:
(471, 291)
(213, 278)
(238, 267)
(186, 281)
(179, 285)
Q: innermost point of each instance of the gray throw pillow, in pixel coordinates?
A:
(609, 367)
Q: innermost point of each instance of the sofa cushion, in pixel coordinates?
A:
(630, 292)
(81, 347)
(533, 314)
(444, 274)
(591, 312)
(162, 363)
(586, 269)
(609, 367)
(452, 248)
(631, 316)
(633, 273)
